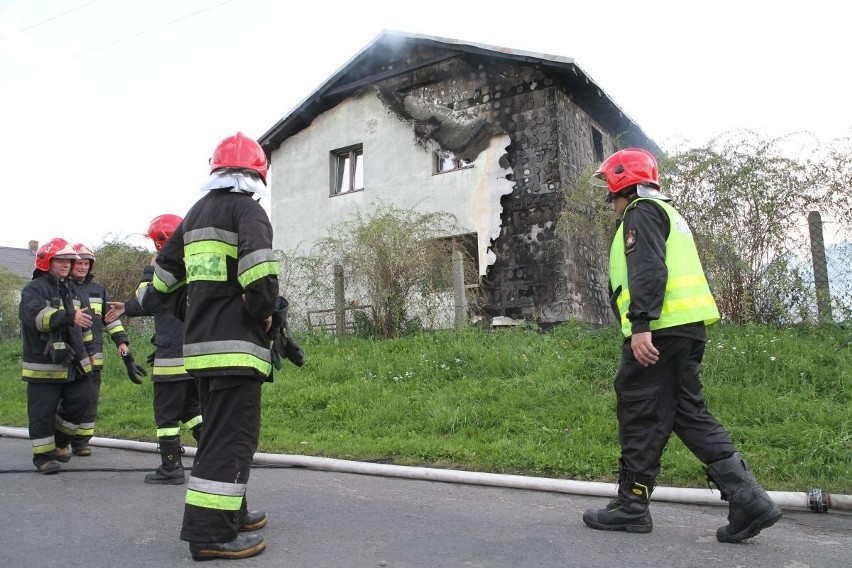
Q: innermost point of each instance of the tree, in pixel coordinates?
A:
(746, 199)
(118, 266)
(397, 261)
(10, 296)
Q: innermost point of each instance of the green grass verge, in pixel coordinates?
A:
(522, 402)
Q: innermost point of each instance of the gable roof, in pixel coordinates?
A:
(18, 261)
(357, 73)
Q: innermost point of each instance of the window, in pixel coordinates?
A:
(597, 144)
(447, 162)
(347, 166)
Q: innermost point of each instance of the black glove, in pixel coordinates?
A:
(134, 371)
(282, 342)
(150, 359)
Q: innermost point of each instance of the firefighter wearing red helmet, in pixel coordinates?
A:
(56, 365)
(663, 304)
(221, 255)
(93, 296)
(176, 398)
(161, 228)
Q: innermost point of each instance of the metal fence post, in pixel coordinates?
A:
(339, 301)
(459, 289)
(823, 293)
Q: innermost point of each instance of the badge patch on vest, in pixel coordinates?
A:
(630, 241)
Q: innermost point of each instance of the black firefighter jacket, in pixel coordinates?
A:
(222, 253)
(53, 348)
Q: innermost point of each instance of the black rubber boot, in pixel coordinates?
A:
(629, 510)
(750, 508)
(171, 471)
(80, 446)
(244, 546)
(252, 521)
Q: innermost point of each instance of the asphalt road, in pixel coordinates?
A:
(97, 513)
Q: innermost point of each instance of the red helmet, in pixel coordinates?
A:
(85, 252)
(161, 229)
(54, 248)
(627, 167)
(240, 151)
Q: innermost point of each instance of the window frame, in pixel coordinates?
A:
(341, 161)
(439, 157)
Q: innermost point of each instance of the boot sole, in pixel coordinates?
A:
(82, 453)
(627, 528)
(214, 554)
(253, 527)
(175, 481)
(763, 522)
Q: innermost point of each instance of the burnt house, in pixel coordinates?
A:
(492, 135)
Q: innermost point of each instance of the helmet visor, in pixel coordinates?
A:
(598, 179)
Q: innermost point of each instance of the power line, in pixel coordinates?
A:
(155, 28)
(49, 19)
(143, 32)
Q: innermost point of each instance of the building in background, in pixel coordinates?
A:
(492, 135)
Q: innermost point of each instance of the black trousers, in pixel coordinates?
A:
(663, 398)
(215, 497)
(86, 428)
(54, 411)
(175, 402)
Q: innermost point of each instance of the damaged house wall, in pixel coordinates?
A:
(397, 170)
(527, 124)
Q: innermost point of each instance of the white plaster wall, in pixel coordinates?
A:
(396, 170)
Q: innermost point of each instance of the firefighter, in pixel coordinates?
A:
(56, 364)
(222, 253)
(93, 296)
(175, 392)
(663, 304)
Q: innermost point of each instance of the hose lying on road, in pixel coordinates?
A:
(816, 500)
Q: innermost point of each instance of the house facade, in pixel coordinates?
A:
(493, 136)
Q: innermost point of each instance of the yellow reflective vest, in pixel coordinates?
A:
(687, 298)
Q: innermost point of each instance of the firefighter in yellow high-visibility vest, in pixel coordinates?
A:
(663, 303)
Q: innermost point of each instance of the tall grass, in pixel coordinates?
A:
(523, 402)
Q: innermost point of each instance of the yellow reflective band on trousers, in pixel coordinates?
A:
(215, 494)
(688, 298)
(193, 422)
(43, 445)
(172, 431)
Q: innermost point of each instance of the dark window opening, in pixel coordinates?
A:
(597, 144)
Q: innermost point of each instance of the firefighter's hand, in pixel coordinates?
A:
(643, 350)
(82, 319)
(116, 310)
(134, 371)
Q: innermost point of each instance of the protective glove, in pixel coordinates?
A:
(134, 371)
(150, 359)
(282, 343)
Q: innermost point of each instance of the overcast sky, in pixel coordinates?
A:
(109, 109)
